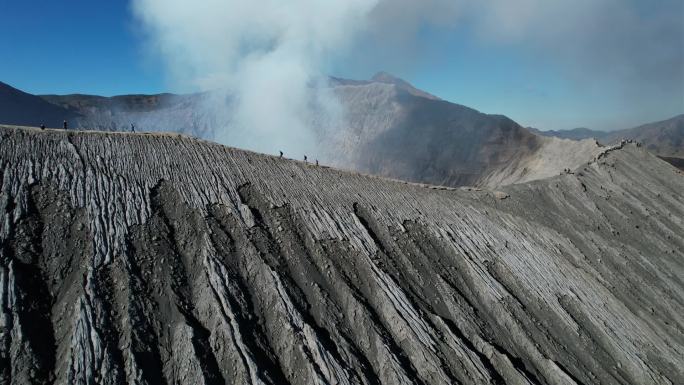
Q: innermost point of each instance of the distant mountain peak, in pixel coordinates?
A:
(387, 78)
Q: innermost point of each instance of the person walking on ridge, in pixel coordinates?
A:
(65, 125)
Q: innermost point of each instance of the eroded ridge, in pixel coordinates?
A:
(147, 259)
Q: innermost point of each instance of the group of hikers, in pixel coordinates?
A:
(306, 160)
(65, 125)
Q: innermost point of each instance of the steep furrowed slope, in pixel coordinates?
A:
(152, 259)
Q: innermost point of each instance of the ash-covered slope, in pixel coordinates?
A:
(148, 259)
(396, 131)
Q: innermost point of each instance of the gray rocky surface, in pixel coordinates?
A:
(160, 259)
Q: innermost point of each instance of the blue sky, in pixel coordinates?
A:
(74, 46)
(615, 75)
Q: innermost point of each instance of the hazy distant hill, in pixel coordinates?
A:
(574, 134)
(664, 138)
(20, 108)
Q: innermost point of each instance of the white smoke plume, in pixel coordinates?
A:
(264, 61)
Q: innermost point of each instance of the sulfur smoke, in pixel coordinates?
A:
(262, 61)
(263, 64)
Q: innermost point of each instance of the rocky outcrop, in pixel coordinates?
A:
(148, 259)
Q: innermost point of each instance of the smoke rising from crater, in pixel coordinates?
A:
(264, 61)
